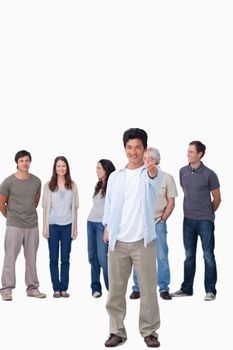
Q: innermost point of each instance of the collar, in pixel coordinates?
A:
(124, 167)
(197, 170)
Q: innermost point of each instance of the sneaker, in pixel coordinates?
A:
(135, 295)
(35, 293)
(209, 296)
(96, 294)
(57, 294)
(165, 295)
(180, 293)
(151, 341)
(6, 297)
(114, 340)
(64, 294)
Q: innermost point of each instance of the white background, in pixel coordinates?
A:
(74, 75)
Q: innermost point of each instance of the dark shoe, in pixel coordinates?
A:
(57, 294)
(64, 294)
(165, 296)
(135, 295)
(151, 341)
(114, 340)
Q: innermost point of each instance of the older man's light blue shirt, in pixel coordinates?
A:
(115, 199)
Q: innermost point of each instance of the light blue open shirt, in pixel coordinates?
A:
(114, 201)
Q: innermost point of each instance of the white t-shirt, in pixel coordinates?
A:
(131, 225)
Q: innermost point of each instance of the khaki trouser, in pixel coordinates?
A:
(120, 263)
(16, 237)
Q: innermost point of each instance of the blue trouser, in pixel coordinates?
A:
(162, 260)
(59, 239)
(97, 254)
(191, 230)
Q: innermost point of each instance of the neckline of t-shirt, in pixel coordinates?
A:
(22, 179)
(135, 170)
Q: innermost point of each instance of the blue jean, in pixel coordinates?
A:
(162, 260)
(59, 240)
(191, 230)
(97, 254)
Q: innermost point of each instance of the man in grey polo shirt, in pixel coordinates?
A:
(19, 197)
(201, 199)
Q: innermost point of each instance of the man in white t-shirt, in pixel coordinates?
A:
(129, 229)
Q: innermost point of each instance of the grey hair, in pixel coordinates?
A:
(154, 154)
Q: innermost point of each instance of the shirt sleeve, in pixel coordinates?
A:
(5, 188)
(171, 187)
(180, 177)
(39, 186)
(107, 202)
(45, 196)
(76, 196)
(213, 181)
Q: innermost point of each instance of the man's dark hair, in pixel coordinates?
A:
(200, 147)
(135, 133)
(22, 154)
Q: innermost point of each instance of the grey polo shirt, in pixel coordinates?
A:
(197, 185)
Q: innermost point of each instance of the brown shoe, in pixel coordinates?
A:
(64, 294)
(151, 341)
(165, 296)
(135, 295)
(114, 340)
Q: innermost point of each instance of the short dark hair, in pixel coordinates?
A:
(135, 133)
(200, 147)
(22, 154)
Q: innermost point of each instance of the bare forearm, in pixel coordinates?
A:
(166, 214)
(216, 195)
(37, 199)
(215, 204)
(3, 210)
(168, 210)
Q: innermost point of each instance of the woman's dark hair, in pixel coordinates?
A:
(200, 147)
(53, 182)
(108, 166)
(135, 133)
(22, 154)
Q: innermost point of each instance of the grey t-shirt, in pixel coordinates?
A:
(61, 208)
(197, 185)
(97, 212)
(21, 208)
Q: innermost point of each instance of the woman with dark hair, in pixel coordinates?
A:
(97, 248)
(60, 203)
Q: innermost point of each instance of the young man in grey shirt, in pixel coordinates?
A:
(201, 199)
(19, 197)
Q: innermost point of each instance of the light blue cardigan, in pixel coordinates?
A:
(114, 201)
